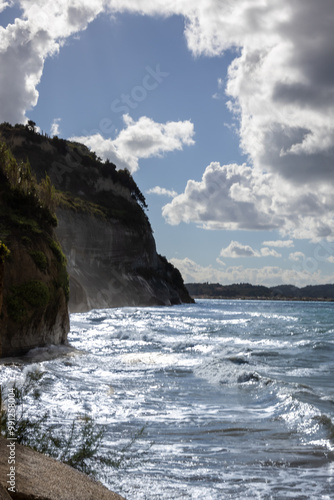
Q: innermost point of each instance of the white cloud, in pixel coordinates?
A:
(269, 252)
(25, 45)
(55, 130)
(240, 197)
(223, 199)
(296, 256)
(162, 191)
(267, 275)
(279, 243)
(281, 83)
(220, 262)
(236, 250)
(142, 139)
(280, 86)
(4, 5)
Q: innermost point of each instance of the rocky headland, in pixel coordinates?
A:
(102, 228)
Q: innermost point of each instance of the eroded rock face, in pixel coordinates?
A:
(111, 264)
(34, 311)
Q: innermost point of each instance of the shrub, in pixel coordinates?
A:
(4, 252)
(57, 251)
(16, 309)
(40, 260)
(25, 192)
(34, 293)
(47, 194)
(78, 447)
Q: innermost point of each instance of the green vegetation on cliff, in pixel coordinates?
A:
(33, 277)
(33, 293)
(58, 158)
(4, 252)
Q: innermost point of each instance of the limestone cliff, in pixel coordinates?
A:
(33, 277)
(102, 226)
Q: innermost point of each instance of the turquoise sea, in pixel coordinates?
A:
(236, 398)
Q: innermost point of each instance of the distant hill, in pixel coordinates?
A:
(248, 291)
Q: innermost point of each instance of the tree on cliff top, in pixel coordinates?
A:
(126, 179)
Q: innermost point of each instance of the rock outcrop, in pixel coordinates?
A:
(113, 265)
(3, 494)
(38, 477)
(102, 227)
(33, 277)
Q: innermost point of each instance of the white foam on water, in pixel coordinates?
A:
(229, 393)
(150, 358)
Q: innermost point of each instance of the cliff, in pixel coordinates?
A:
(33, 277)
(102, 226)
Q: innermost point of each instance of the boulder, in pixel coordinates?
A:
(38, 477)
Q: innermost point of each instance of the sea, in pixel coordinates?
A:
(221, 399)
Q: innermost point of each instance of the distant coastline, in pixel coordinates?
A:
(246, 291)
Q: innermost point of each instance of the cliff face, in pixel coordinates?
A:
(112, 265)
(33, 277)
(102, 227)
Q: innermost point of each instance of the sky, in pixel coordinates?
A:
(223, 111)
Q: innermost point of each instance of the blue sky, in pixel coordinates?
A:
(224, 114)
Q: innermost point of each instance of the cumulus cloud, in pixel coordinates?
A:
(279, 243)
(4, 5)
(25, 44)
(236, 250)
(241, 197)
(141, 139)
(280, 88)
(55, 127)
(162, 191)
(296, 256)
(270, 252)
(267, 275)
(223, 199)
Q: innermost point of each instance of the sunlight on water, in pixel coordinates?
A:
(236, 398)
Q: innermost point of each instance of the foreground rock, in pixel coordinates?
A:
(3, 494)
(38, 477)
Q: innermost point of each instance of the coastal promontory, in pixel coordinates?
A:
(103, 227)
